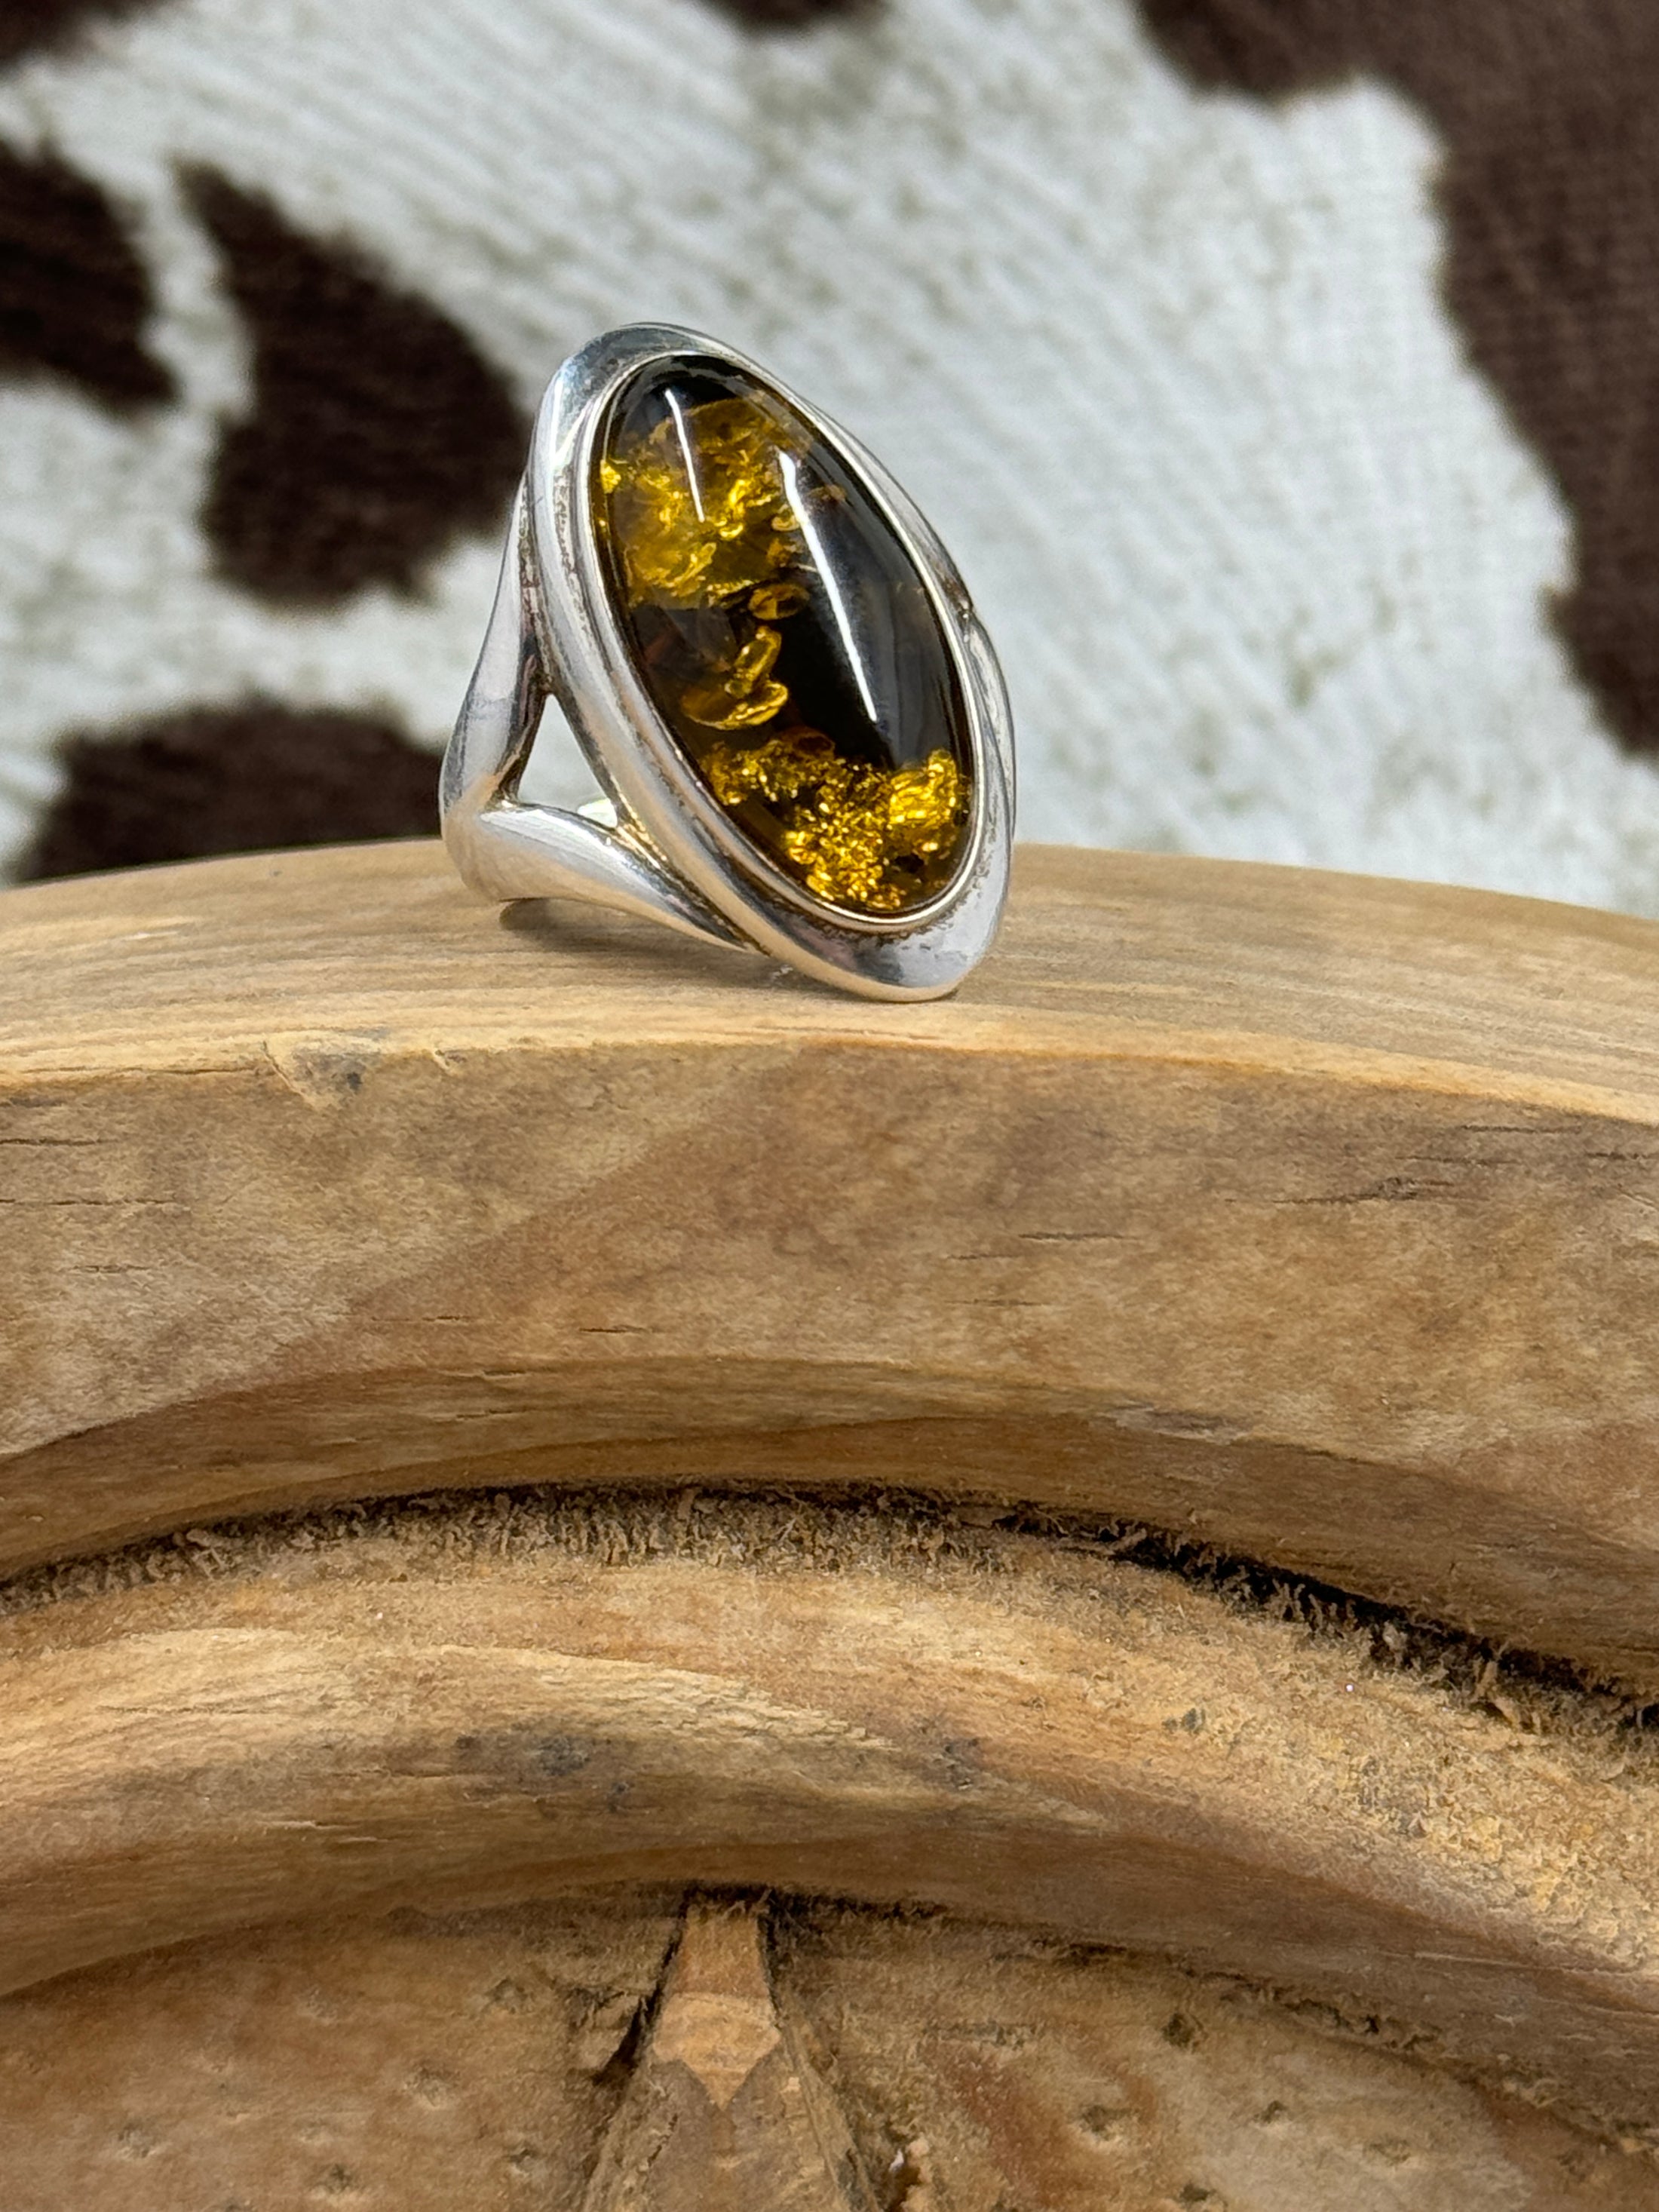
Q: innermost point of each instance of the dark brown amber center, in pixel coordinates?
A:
(785, 637)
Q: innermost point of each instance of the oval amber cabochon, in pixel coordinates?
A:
(786, 636)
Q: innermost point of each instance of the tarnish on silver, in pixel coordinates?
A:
(660, 845)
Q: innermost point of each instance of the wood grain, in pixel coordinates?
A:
(531, 1698)
(431, 2062)
(1313, 1218)
(422, 2063)
(991, 2073)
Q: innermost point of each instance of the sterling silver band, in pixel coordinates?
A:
(658, 844)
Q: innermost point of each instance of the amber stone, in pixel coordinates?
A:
(785, 637)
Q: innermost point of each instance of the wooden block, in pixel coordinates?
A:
(1304, 1217)
(1307, 1216)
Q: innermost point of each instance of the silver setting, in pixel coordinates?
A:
(659, 844)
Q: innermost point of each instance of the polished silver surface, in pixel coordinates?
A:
(663, 847)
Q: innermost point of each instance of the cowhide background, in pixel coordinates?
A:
(1284, 373)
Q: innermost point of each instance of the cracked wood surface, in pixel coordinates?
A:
(725, 2111)
(1313, 1218)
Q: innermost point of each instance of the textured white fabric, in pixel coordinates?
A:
(1264, 562)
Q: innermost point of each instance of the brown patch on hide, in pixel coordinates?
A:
(28, 25)
(379, 433)
(1550, 192)
(792, 14)
(74, 296)
(231, 779)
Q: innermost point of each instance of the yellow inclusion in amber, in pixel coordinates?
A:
(740, 693)
(717, 518)
(699, 506)
(848, 821)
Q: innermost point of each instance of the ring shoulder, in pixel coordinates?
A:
(505, 847)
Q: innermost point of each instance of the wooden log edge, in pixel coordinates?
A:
(535, 1696)
(1307, 1216)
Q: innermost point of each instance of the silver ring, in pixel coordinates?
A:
(772, 666)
